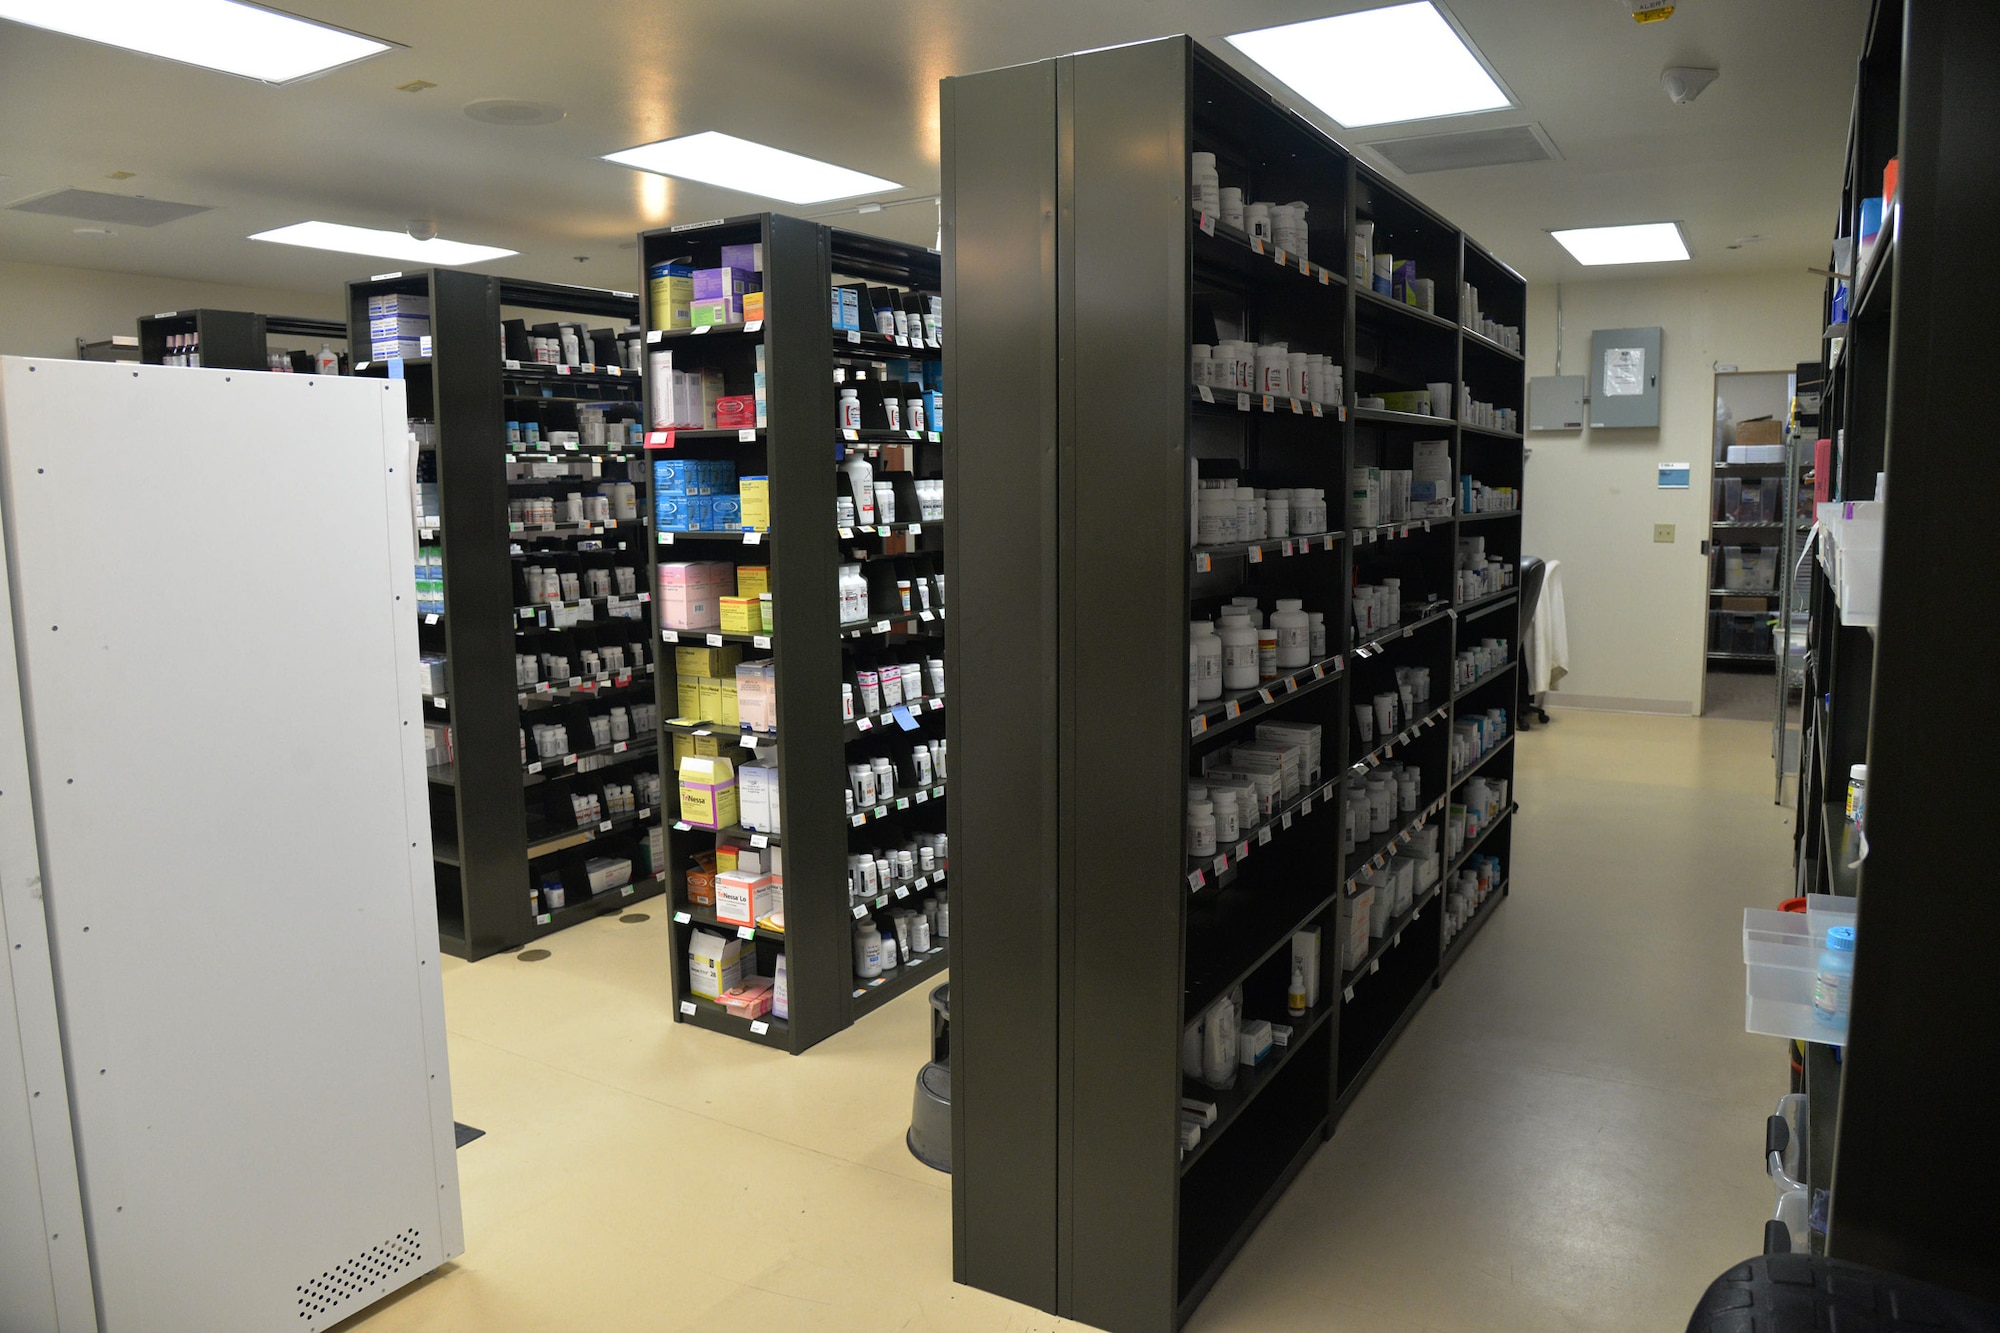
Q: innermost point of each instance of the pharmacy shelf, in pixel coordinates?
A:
(1390, 938)
(1388, 418)
(549, 769)
(1479, 342)
(698, 915)
(1219, 246)
(1375, 852)
(1433, 612)
(1480, 916)
(1220, 870)
(1492, 432)
(797, 448)
(1236, 707)
(1161, 276)
(1489, 599)
(479, 806)
(1748, 469)
(1220, 402)
(921, 710)
(615, 899)
(1396, 532)
(1374, 303)
(767, 1030)
(1387, 748)
(1720, 526)
(586, 687)
(1256, 553)
(1231, 1102)
(1471, 770)
(1743, 592)
(1350, 1088)
(672, 336)
(846, 342)
(1489, 516)
(1269, 923)
(1766, 658)
(1471, 849)
(551, 843)
(1495, 674)
(872, 994)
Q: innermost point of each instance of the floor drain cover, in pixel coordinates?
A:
(634, 918)
(532, 955)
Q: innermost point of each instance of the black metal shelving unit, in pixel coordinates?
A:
(1892, 1108)
(1091, 938)
(233, 339)
(500, 815)
(804, 361)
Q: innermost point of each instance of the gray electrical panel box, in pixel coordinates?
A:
(1555, 402)
(1624, 377)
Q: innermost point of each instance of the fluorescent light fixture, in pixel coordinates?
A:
(753, 168)
(1641, 243)
(385, 244)
(1378, 67)
(226, 35)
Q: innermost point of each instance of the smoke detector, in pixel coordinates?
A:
(1649, 11)
(1684, 83)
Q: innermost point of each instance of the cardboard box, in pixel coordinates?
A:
(755, 497)
(701, 879)
(781, 998)
(745, 259)
(741, 897)
(753, 306)
(751, 999)
(670, 288)
(715, 964)
(607, 872)
(707, 661)
(1760, 432)
(757, 695)
(684, 746)
(708, 791)
(687, 698)
(751, 581)
(741, 615)
(737, 411)
(757, 791)
(708, 314)
(682, 610)
(1305, 957)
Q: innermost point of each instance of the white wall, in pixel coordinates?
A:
(1637, 610)
(44, 310)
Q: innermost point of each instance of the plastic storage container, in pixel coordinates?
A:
(1781, 965)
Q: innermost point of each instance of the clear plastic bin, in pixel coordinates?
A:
(1780, 963)
(1851, 554)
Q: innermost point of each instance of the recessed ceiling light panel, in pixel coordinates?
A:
(753, 168)
(1641, 243)
(384, 244)
(1379, 66)
(227, 35)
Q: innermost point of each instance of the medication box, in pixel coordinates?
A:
(715, 964)
(671, 289)
(708, 791)
(740, 897)
(750, 999)
(707, 661)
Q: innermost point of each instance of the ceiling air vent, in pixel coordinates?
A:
(1467, 148)
(95, 206)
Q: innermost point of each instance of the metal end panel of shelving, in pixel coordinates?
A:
(1001, 381)
(1912, 1153)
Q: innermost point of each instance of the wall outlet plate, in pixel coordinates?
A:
(1663, 532)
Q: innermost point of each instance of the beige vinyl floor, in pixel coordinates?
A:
(1566, 1137)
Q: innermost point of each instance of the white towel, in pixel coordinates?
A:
(1549, 632)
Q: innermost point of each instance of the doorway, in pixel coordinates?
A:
(1748, 543)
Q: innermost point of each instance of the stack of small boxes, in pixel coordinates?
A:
(691, 593)
(705, 682)
(399, 325)
(697, 495)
